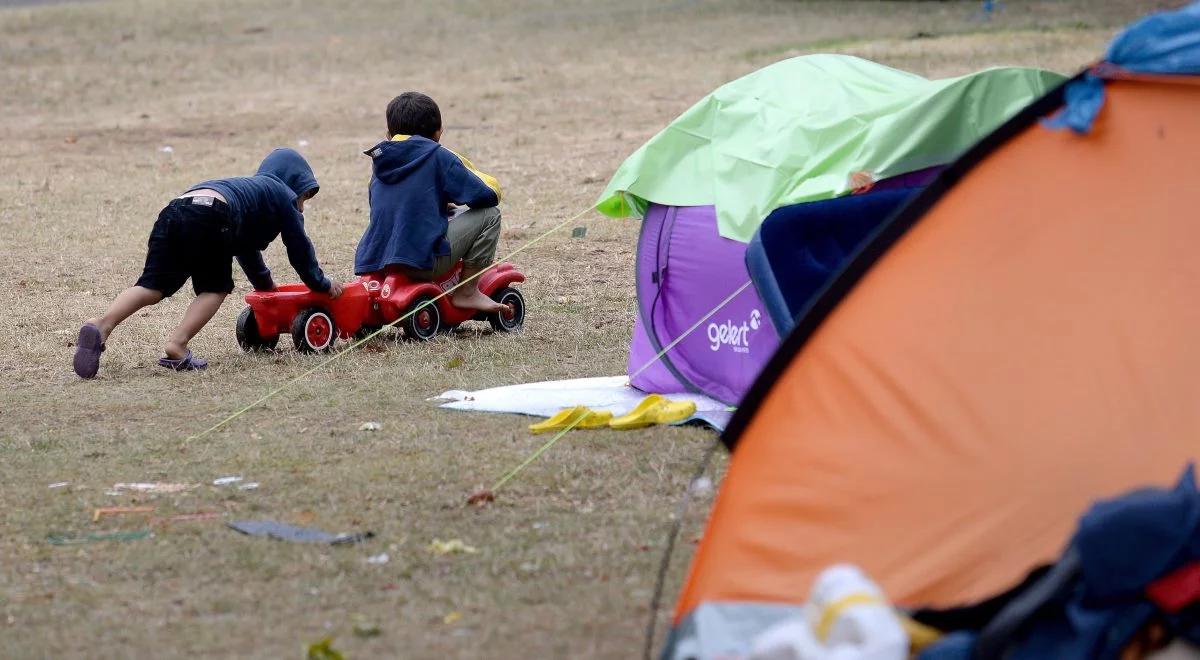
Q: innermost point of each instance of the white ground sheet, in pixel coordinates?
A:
(604, 393)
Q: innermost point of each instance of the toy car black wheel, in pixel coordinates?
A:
(313, 330)
(248, 336)
(424, 321)
(512, 317)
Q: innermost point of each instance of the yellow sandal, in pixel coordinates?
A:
(654, 409)
(588, 419)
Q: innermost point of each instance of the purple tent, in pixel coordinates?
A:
(685, 269)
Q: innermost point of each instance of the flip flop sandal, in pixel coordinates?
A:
(188, 362)
(88, 348)
(581, 416)
(654, 409)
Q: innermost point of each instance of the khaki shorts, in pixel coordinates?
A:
(473, 236)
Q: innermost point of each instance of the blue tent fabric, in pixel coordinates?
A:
(799, 248)
(1092, 603)
(1162, 43)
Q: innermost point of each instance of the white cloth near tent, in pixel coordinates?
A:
(546, 398)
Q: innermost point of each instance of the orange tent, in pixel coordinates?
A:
(1019, 341)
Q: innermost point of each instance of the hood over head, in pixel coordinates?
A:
(289, 167)
(395, 159)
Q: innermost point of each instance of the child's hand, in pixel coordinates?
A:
(335, 289)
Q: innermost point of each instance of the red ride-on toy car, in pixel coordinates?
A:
(370, 302)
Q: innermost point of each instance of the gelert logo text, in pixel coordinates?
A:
(735, 336)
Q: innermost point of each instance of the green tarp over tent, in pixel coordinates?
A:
(796, 131)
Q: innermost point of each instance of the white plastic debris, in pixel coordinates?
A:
(302, 143)
(167, 149)
(702, 487)
(225, 481)
(381, 558)
(59, 484)
(153, 487)
(370, 426)
(253, 485)
(848, 612)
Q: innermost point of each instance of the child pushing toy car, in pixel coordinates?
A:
(198, 235)
(431, 211)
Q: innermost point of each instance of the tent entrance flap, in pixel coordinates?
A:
(798, 249)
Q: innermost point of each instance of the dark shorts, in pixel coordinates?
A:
(193, 237)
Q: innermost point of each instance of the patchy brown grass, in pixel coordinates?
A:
(549, 96)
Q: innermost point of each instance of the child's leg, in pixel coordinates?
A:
(160, 278)
(95, 331)
(123, 306)
(209, 259)
(199, 313)
(473, 237)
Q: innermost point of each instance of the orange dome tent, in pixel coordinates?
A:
(1019, 341)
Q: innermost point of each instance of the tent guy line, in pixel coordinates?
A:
(689, 331)
(532, 457)
(558, 436)
(269, 395)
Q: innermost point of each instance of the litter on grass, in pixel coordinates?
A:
(284, 532)
(451, 547)
(119, 511)
(186, 517)
(151, 487)
(59, 484)
(81, 539)
(381, 558)
(225, 481)
(364, 627)
(323, 650)
(253, 485)
(370, 426)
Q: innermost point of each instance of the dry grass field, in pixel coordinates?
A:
(549, 96)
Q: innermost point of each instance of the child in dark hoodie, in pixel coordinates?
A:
(198, 235)
(414, 226)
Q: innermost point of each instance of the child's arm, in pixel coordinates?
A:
(256, 270)
(463, 184)
(302, 254)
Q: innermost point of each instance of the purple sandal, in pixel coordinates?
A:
(88, 348)
(188, 362)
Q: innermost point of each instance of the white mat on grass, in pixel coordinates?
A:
(604, 393)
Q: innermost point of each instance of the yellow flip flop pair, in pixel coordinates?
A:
(654, 409)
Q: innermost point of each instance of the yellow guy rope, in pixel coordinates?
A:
(550, 443)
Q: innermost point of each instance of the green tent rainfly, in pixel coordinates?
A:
(803, 129)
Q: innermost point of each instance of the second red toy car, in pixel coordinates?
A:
(370, 302)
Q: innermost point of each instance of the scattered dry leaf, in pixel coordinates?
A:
(481, 498)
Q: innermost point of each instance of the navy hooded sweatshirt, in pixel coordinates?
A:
(262, 207)
(414, 180)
